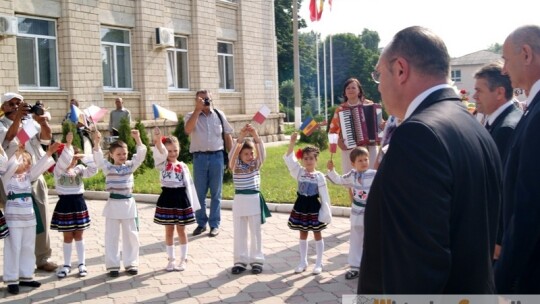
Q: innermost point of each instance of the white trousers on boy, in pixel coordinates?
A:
(19, 257)
(356, 245)
(130, 243)
(241, 226)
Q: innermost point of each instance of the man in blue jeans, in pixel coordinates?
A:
(206, 126)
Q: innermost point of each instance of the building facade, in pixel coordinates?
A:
(151, 51)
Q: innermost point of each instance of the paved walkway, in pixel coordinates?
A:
(208, 278)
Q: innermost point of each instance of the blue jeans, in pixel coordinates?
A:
(208, 172)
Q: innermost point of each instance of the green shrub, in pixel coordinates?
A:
(69, 126)
(149, 159)
(183, 138)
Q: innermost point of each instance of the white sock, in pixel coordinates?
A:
(303, 252)
(183, 251)
(80, 251)
(319, 246)
(170, 252)
(67, 254)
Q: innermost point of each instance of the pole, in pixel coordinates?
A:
(331, 73)
(296, 66)
(324, 79)
(318, 77)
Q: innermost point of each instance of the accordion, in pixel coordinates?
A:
(360, 125)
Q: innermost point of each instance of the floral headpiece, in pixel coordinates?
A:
(163, 139)
(299, 154)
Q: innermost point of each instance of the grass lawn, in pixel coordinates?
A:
(277, 185)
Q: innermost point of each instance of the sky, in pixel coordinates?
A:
(466, 26)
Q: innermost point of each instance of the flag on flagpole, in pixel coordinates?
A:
(308, 126)
(76, 115)
(27, 131)
(261, 116)
(315, 12)
(95, 113)
(161, 112)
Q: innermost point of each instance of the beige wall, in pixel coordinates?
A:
(249, 25)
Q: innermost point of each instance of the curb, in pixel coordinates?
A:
(225, 204)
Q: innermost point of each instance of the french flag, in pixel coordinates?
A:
(261, 116)
(28, 131)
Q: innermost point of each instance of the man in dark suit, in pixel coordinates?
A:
(431, 215)
(494, 99)
(518, 267)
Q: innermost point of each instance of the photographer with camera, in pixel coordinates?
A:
(18, 112)
(210, 135)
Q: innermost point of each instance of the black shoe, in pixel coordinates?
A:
(256, 268)
(238, 269)
(199, 230)
(114, 273)
(30, 283)
(214, 232)
(13, 288)
(132, 270)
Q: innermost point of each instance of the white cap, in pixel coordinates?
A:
(10, 96)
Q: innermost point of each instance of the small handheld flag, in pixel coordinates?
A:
(261, 116)
(308, 126)
(27, 131)
(95, 113)
(77, 115)
(161, 112)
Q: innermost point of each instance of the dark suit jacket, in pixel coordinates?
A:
(501, 130)
(518, 267)
(432, 211)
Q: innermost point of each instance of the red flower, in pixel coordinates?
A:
(177, 168)
(463, 91)
(299, 153)
(163, 139)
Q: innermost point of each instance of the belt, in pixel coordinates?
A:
(119, 196)
(359, 204)
(208, 152)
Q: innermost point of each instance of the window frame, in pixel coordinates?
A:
(114, 46)
(455, 75)
(35, 38)
(223, 57)
(174, 76)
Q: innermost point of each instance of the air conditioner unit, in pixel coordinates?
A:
(8, 25)
(164, 37)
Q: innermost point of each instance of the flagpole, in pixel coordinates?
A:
(331, 73)
(318, 76)
(296, 66)
(324, 79)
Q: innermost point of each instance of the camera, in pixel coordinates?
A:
(207, 101)
(36, 109)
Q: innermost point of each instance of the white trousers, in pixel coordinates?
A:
(130, 243)
(241, 226)
(19, 258)
(356, 248)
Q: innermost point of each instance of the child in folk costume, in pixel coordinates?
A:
(70, 215)
(120, 211)
(21, 217)
(4, 230)
(311, 211)
(359, 180)
(178, 199)
(249, 207)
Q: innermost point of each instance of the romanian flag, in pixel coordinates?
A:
(28, 131)
(95, 113)
(308, 126)
(315, 12)
(77, 115)
(261, 116)
(160, 112)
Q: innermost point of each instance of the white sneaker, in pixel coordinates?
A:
(181, 266)
(317, 269)
(170, 265)
(300, 268)
(64, 271)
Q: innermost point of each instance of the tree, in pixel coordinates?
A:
(495, 48)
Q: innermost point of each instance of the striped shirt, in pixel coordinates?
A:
(19, 211)
(70, 181)
(246, 176)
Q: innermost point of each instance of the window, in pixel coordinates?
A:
(177, 64)
(36, 53)
(226, 66)
(456, 75)
(116, 58)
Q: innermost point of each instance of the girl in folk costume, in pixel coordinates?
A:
(359, 180)
(21, 217)
(4, 230)
(120, 211)
(249, 207)
(70, 215)
(311, 211)
(178, 199)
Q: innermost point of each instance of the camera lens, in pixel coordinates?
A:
(207, 101)
(37, 109)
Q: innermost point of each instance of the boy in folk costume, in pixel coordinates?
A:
(23, 223)
(359, 180)
(120, 210)
(249, 207)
